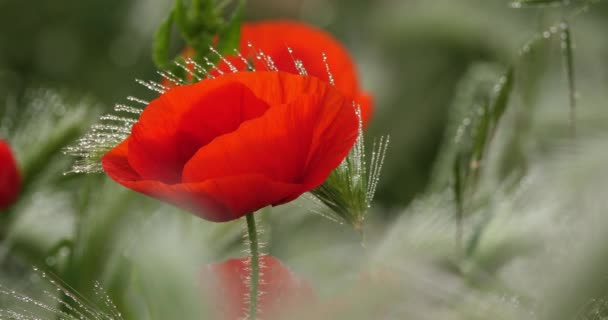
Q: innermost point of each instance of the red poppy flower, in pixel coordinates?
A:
(225, 147)
(307, 44)
(282, 291)
(10, 179)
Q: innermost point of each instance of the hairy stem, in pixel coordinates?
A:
(254, 266)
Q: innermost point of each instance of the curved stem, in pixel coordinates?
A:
(254, 266)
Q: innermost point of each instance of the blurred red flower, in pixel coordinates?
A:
(225, 147)
(10, 178)
(307, 44)
(282, 291)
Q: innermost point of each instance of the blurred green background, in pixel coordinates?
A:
(415, 56)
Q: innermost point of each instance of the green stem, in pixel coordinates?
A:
(254, 266)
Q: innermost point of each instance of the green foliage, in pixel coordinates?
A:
(566, 45)
(473, 94)
(542, 3)
(201, 26)
(162, 41)
(229, 36)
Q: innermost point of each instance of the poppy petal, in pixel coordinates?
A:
(235, 197)
(283, 291)
(217, 200)
(116, 163)
(172, 128)
(222, 199)
(308, 44)
(222, 111)
(278, 145)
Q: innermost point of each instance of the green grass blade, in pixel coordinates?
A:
(566, 46)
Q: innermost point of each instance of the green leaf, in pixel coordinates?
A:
(481, 134)
(542, 3)
(231, 32)
(38, 160)
(162, 41)
(502, 97)
(472, 91)
(458, 185)
(180, 15)
(202, 15)
(566, 45)
(458, 189)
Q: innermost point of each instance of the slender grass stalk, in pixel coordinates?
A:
(566, 46)
(254, 266)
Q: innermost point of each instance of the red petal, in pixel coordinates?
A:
(220, 112)
(308, 44)
(285, 144)
(116, 163)
(173, 127)
(230, 198)
(224, 284)
(10, 178)
(219, 200)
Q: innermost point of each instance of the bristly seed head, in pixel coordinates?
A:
(73, 306)
(349, 190)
